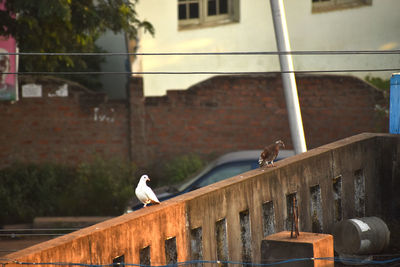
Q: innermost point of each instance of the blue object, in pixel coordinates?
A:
(394, 112)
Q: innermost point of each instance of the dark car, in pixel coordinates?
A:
(224, 167)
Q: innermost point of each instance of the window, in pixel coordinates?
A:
(223, 172)
(198, 13)
(330, 5)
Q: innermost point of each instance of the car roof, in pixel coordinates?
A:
(248, 155)
(243, 155)
(238, 155)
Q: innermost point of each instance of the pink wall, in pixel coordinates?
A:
(9, 45)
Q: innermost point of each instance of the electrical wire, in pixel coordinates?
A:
(47, 232)
(13, 235)
(329, 52)
(196, 72)
(238, 53)
(39, 229)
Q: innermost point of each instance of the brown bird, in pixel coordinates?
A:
(270, 153)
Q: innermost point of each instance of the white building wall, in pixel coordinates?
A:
(363, 28)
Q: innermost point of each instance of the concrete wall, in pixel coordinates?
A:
(371, 27)
(230, 218)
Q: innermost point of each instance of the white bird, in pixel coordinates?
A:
(144, 193)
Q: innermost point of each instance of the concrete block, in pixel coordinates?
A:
(280, 247)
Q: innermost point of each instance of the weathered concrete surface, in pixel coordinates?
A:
(281, 246)
(374, 158)
(125, 235)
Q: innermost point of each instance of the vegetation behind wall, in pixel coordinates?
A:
(101, 188)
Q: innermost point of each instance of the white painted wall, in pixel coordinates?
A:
(364, 28)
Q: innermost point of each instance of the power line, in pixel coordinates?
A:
(238, 53)
(39, 229)
(196, 72)
(13, 235)
(34, 232)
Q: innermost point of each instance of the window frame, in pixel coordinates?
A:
(189, 21)
(208, 21)
(333, 5)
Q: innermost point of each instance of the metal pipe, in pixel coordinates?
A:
(288, 78)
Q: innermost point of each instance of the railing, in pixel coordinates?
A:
(227, 221)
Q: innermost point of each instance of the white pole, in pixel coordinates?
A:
(288, 78)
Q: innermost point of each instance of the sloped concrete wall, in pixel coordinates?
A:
(125, 235)
(227, 220)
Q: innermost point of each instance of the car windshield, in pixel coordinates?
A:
(225, 171)
(195, 176)
(224, 167)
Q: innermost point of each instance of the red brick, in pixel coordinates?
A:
(249, 112)
(222, 114)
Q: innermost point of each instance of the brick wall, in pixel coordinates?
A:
(62, 129)
(227, 113)
(222, 114)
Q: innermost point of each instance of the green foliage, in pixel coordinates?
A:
(380, 83)
(67, 26)
(29, 189)
(182, 167)
(101, 188)
(384, 86)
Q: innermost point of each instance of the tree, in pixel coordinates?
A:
(67, 26)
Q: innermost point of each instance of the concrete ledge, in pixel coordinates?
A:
(280, 247)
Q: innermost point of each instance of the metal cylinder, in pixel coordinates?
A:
(361, 236)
